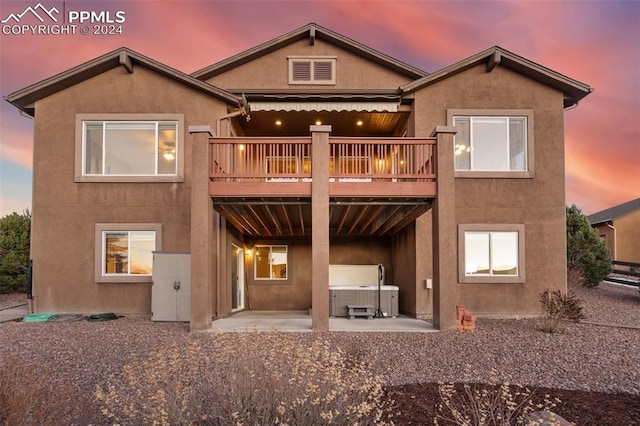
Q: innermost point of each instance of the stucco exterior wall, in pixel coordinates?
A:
(608, 235)
(295, 292)
(628, 237)
(424, 267)
(271, 71)
(403, 247)
(538, 203)
(65, 212)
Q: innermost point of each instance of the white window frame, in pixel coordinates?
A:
(312, 61)
(80, 156)
(255, 265)
(527, 114)
(101, 229)
(463, 277)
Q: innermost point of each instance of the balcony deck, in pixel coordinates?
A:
(358, 167)
(376, 185)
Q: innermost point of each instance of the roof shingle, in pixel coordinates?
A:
(614, 212)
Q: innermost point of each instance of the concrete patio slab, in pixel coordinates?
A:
(14, 313)
(300, 321)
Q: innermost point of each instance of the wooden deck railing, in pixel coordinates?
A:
(351, 159)
(250, 159)
(382, 159)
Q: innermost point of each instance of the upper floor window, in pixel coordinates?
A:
(312, 70)
(271, 262)
(129, 147)
(496, 143)
(490, 143)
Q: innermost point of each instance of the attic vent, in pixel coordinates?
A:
(301, 71)
(312, 70)
(323, 71)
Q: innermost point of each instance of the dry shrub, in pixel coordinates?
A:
(247, 383)
(558, 307)
(164, 389)
(492, 403)
(575, 279)
(29, 395)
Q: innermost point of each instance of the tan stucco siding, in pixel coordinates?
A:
(403, 247)
(608, 235)
(295, 292)
(538, 202)
(65, 212)
(271, 71)
(628, 237)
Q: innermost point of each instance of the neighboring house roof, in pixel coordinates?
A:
(25, 98)
(312, 32)
(614, 212)
(573, 90)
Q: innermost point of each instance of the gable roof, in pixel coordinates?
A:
(312, 32)
(25, 98)
(614, 212)
(573, 90)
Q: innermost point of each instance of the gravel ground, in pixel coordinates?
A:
(586, 356)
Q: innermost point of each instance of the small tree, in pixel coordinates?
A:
(586, 252)
(15, 234)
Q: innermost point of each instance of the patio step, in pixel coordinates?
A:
(360, 311)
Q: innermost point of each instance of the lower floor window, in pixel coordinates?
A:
(124, 251)
(271, 262)
(491, 253)
(128, 252)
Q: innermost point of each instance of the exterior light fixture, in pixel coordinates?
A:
(278, 123)
(318, 122)
(241, 147)
(359, 123)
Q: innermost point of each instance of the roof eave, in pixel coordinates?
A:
(310, 31)
(574, 90)
(24, 99)
(600, 222)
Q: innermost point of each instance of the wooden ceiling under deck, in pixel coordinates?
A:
(291, 217)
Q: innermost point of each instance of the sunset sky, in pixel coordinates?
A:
(594, 42)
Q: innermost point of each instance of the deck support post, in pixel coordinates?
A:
(320, 227)
(445, 282)
(203, 232)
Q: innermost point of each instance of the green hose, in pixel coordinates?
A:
(107, 316)
(102, 317)
(65, 318)
(37, 317)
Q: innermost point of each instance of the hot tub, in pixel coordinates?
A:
(342, 295)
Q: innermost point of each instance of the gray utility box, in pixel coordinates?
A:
(341, 296)
(171, 291)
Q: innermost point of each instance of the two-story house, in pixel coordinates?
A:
(306, 151)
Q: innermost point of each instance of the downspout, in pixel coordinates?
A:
(226, 117)
(243, 109)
